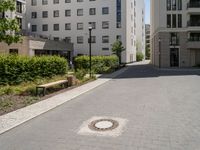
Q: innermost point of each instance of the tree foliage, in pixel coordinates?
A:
(100, 64)
(8, 26)
(117, 49)
(148, 53)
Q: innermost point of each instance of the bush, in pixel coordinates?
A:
(15, 69)
(139, 56)
(100, 64)
(80, 74)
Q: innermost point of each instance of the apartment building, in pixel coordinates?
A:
(140, 26)
(175, 37)
(33, 44)
(69, 20)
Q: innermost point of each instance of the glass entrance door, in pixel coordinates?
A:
(174, 57)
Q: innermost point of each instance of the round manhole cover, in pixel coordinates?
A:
(103, 125)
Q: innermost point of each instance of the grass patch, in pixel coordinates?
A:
(27, 88)
(13, 97)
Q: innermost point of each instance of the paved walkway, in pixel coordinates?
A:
(162, 109)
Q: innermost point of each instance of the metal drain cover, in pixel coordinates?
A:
(103, 125)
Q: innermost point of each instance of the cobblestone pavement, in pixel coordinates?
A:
(162, 109)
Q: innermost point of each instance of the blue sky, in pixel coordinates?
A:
(147, 19)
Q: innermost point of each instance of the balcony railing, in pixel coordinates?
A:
(194, 39)
(194, 23)
(193, 5)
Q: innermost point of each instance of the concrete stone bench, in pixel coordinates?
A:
(48, 85)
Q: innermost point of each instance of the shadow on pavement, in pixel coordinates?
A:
(148, 71)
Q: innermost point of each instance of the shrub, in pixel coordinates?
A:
(15, 69)
(80, 74)
(139, 56)
(100, 64)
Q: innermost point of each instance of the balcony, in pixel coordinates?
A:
(194, 23)
(193, 6)
(193, 44)
(194, 41)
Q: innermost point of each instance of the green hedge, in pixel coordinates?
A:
(100, 64)
(139, 56)
(15, 69)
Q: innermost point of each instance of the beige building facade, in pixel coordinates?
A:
(35, 46)
(175, 33)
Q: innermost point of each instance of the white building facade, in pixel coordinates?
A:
(175, 33)
(69, 20)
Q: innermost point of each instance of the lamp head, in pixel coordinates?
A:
(90, 27)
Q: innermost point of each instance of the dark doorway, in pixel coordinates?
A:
(174, 57)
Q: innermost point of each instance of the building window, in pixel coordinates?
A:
(119, 14)
(79, 12)
(79, 0)
(67, 13)
(105, 10)
(44, 2)
(105, 49)
(56, 27)
(45, 14)
(56, 1)
(45, 27)
(34, 15)
(92, 11)
(93, 39)
(93, 24)
(80, 39)
(105, 39)
(79, 26)
(56, 13)
(173, 4)
(13, 51)
(174, 21)
(168, 21)
(105, 25)
(34, 28)
(67, 1)
(56, 38)
(179, 21)
(68, 26)
(169, 4)
(68, 39)
(179, 4)
(33, 2)
(2, 15)
(19, 7)
(119, 37)
(174, 39)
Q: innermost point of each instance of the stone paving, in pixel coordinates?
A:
(162, 109)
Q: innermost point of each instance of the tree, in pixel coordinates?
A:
(148, 53)
(8, 26)
(117, 49)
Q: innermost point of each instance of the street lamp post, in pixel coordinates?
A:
(90, 49)
(159, 41)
